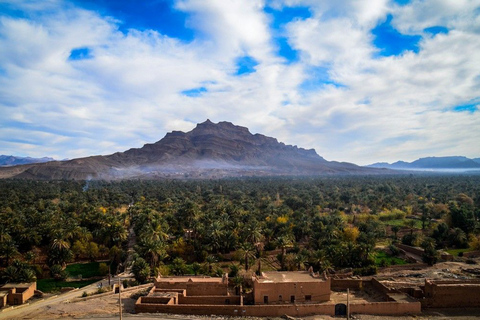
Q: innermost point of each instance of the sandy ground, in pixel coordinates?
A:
(77, 309)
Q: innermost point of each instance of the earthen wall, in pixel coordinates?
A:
(452, 294)
(386, 308)
(210, 300)
(344, 284)
(281, 292)
(196, 288)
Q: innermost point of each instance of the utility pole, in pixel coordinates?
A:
(348, 304)
(119, 298)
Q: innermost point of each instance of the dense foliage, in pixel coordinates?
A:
(328, 222)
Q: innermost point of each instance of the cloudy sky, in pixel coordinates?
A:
(359, 81)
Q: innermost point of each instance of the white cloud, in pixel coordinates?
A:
(129, 91)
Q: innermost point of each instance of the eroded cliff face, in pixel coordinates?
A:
(208, 151)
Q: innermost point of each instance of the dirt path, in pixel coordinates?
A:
(132, 241)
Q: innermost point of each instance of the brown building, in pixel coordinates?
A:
(16, 293)
(451, 293)
(290, 287)
(274, 294)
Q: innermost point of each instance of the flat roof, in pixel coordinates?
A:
(189, 279)
(16, 285)
(288, 276)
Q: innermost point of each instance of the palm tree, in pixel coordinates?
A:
(246, 249)
(283, 242)
(8, 249)
(209, 261)
(395, 230)
(155, 231)
(154, 250)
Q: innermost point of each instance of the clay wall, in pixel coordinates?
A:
(179, 291)
(233, 310)
(158, 300)
(344, 284)
(284, 292)
(400, 267)
(414, 250)
(3, 300)
(386, 308)
(210, 300)
(378, 308)
(377, 285)
(472, 254)
(20, 295)
(452, 294)
(196, 288)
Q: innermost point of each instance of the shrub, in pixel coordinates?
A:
(141, 270)
(365, 271)
(103, 269)
(57, 272)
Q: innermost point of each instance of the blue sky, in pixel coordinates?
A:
(362, 82)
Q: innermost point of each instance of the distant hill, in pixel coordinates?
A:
(6, 161)
(455, 162)
(208, 151)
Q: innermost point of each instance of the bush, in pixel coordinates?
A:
(178, 267)
(141, 270)
(57, 272)
(384, 263)
(84, 294)
(365, 271)
(103, 269)
(102, 290)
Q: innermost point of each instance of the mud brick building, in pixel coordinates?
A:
(16, 293)
(290, 287)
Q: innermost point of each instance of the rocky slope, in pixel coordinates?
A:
(208, 151)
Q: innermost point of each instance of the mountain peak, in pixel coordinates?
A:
(210, 150)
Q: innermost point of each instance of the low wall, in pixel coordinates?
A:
(415, 250)
(157, 300)
(344, 284)
(373, 308)
(232, 310)
(386, 308)
(195, 288)
(3, 299)
(401, 267)
(210, 300)
(471, 254)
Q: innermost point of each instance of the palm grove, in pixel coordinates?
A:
(205, 227)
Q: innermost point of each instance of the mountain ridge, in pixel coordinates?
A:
(9, 160)
(449, 162)
(208, 151)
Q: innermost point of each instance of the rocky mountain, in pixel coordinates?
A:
(433, 163)
(208, 151)
(6, 161)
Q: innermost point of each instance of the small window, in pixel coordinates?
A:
(280, 298)
(292, 299)
(308, 297)
(265, 299)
